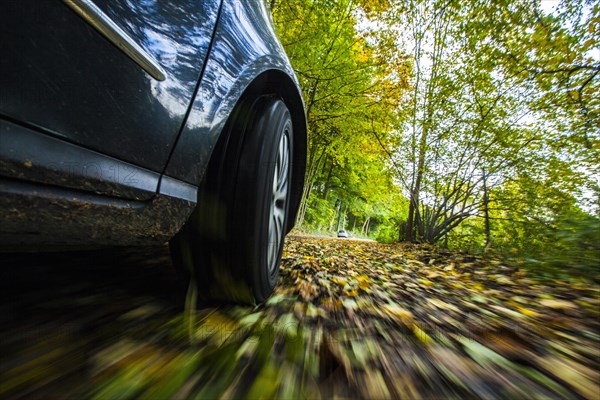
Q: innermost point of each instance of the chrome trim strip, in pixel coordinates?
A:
(175, 188)
(117, 36)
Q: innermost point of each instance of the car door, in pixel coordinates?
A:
(63, 76)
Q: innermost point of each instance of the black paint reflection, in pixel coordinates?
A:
(61, 75)
(177, 34)
(245, 46)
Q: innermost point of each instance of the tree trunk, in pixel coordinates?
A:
(314, 163)
(341, 216)
(338, 206)
(440, 29)
(327, 182)
(402, 231)
(413, 209)
(303, 204)
(365, 226)
(486, 214)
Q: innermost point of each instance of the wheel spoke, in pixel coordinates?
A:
(279, 200)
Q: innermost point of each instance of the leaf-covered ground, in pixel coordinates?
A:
(348, 319)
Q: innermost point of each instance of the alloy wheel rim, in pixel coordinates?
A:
(278, 202)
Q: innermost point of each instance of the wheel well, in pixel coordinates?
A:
(279, 84)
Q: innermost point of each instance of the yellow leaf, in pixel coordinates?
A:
(398, 312)
(442, 305)
(364, 282)
(528, 312)
(421, 334)
(558, 304)
(339, 281)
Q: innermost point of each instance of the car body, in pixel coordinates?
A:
(110, 112)
(343, 234)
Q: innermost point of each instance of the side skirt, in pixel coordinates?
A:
(34, 216)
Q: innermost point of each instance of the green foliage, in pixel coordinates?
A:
(565, 242)
(576, 242)
(352, 87)
(319, 214)
(469, 124)
(468, 236)
(387, 234)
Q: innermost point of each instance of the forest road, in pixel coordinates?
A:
(348, 319)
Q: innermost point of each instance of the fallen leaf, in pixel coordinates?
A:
(400, 313)
(558, 304)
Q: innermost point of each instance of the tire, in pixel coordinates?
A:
(231, 246)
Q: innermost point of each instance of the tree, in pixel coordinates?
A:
(482, 115)
(479, 114)
(344, 79)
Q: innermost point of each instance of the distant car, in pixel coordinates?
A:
(343, 234)
(133, 123)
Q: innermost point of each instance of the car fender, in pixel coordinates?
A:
(245, 57)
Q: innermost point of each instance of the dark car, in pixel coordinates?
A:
(141, 122)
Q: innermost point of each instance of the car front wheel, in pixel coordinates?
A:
(231, 246)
